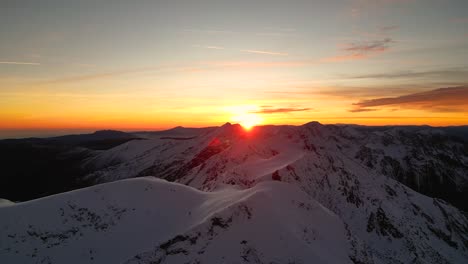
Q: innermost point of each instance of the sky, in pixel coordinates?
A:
(150, 65)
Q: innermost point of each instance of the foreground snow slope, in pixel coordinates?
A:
(148, 220)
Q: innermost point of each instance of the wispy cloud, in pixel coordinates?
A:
(440, 73)
(452, 99)
(361, 50)
(344, 92)
(360, 110)
(262, 52)
(214, 47)
(271, 110)
(369, 46)
(265, 52)
(258, 64)
(209, 47)
(19, 63)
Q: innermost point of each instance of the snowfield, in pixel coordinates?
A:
(276, 194)
(148, 220)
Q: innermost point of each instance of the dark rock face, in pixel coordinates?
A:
(382, 225)
(33, 170)
(427, 161)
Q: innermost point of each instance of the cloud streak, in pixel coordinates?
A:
(209, 47)
(441, 73)
(360, 110)
(258, 64)
(265, 52)
(452, 99)
(19, 63)
(369, 46)
(361, 50)
(269, 110)
(261, 52)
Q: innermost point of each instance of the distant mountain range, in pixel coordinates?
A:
(275, 194)
(50, 165)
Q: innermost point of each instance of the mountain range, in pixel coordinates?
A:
(273, 194)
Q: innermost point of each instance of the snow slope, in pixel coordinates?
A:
(148, 220)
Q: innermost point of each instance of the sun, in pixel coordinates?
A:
(248, 120)
(245, 115)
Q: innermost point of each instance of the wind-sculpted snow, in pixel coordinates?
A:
(152, 221)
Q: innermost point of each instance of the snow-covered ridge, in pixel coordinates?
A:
(152, 221)
(426, 159)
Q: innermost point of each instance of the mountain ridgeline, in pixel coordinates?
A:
(432, 161)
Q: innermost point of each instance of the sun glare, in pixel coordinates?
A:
(247, 121)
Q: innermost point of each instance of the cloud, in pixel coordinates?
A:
(266, 52)
(369, 46)
(441, 73)
(361, 50)
(270, 110)
(258, 64)
(19, 63)
(263, 52)
(359, 110)
(213, 47)
(209, 47)
(452, 99)
(345, 92)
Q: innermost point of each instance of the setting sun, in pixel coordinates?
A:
(248, 120)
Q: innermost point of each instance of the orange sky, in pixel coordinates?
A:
(160, 64)
(134, 111)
